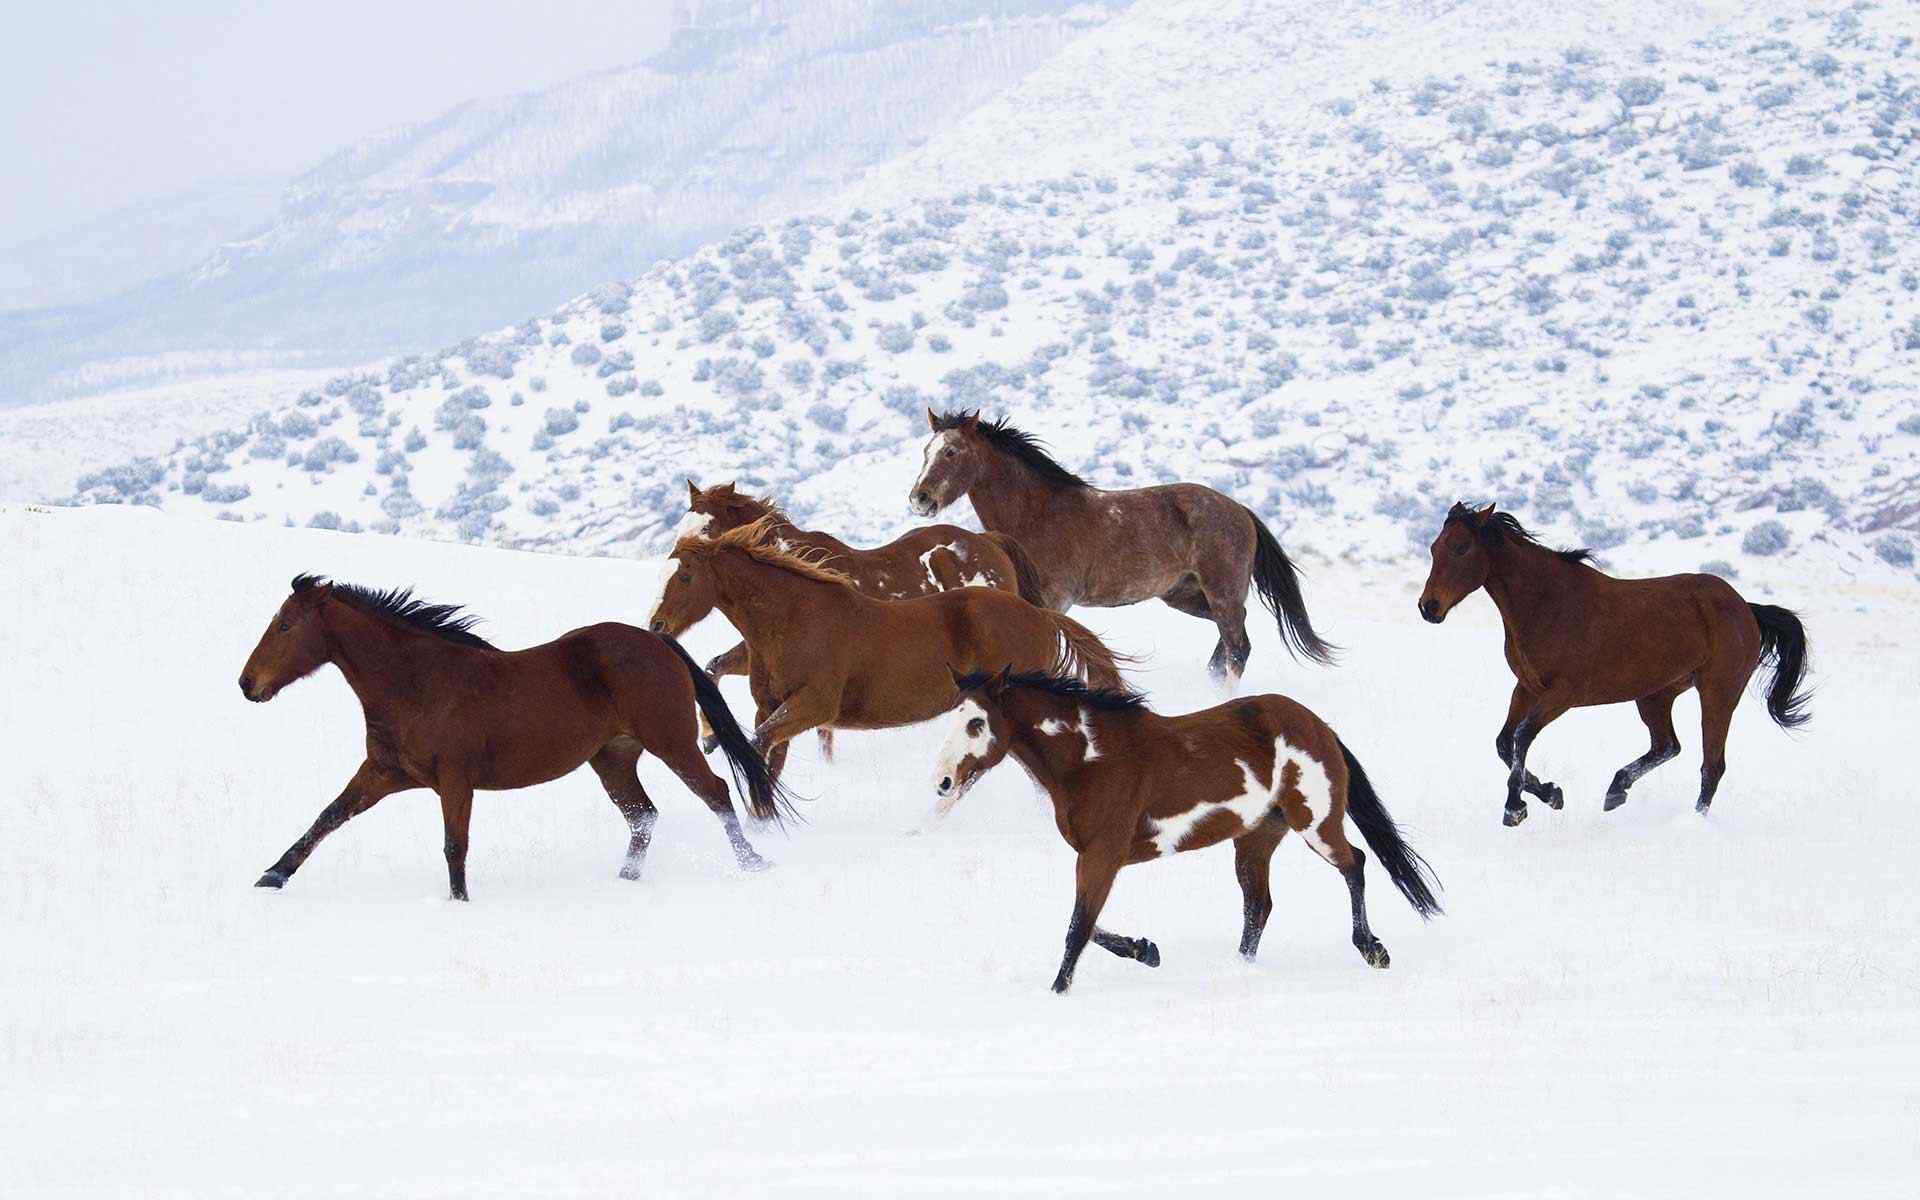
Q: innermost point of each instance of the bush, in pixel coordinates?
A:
(327, 451)
(1638, 90)
(1766, 539)
(1895, 550)
(560, 421)
(829, 417)
(586, 354)
(612, 331)
(715, 325)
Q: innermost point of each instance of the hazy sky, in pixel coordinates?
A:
(102, 103)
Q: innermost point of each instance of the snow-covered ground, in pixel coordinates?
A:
(1636, 1003)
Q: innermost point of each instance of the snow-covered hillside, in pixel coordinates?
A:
(1636, 1003)
(1663, 295)
(503, 207)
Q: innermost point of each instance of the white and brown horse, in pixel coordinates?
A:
(1129, 785)
(1183, 543)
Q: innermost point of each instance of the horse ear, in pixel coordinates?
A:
(1004, 680)
(959, 677)
(1480, 518)
(693, 492)
(972, 419)
(933, 420)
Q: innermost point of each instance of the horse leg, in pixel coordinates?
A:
(1186, 597)
(1716, 714)
(1329, 841)
(1549, 794)
(1657, 712)
(1252, 864)
(368, 787)
(615, 766)
(737, 661)
(1139, 949)
(1093, 879)
(1226, 592)
(1543, 712)
(456, 809)
(693, 771)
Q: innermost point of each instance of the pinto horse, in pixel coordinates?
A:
(1183, 543)
(446, 710)
(936, 558)
(1129, 785)
(823, 654)
(1577, 637)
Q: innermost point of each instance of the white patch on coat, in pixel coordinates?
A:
(694, 524)
(926, 564)
(1055, 727)
(1086, 731)
(1256, 799)
(960, 744)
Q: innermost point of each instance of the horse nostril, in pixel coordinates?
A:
(659, 627)
(922, 499)
(946, 783)
(246, 687)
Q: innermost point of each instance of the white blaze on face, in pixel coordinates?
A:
(694, 524)
(934, 446)
(962, 744)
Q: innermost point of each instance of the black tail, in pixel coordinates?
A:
(1409, 872)
(1279, 587)
(766, 798)
(1783, 643)
(1026, 576)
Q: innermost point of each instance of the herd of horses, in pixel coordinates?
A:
(949, 621)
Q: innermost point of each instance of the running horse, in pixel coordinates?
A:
(1577, 637)
(934, 558)
(1186, 544)
(447, 710)
(1129, 785)
(824, 654)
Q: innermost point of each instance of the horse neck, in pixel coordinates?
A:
(1045, 755)
(760, 598)
(1009, 497)
(1529, 584)
(380, 660)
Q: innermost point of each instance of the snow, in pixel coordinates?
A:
(1635, 1003)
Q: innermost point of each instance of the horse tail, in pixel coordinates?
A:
(767, 799)
(1783, 644)
(1409, 872)
(1085, 655)
(1279, 586)
(1026, 576)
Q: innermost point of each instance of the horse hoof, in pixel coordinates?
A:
(631, 870)
(272, 879)
(754, 863)
(1702, 806)
(1061, 984)
(1553, 797)
(1614, 800)
(709, 744)
(1376, 956)
(1147, 952)
(1514, 816)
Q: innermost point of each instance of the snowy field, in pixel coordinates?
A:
(1639, 1003)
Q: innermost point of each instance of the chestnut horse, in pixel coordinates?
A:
(824, 654)
(935, 558)
(1183, 543)
(446, 710)
(1129, 785)
(1577, 637)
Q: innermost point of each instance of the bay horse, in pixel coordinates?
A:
(1576, 637)
(1129, 785)
(933, 558)
(822, 653)
(447, 710)
(1186, 544)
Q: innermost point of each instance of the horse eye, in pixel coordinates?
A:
(976, 727)
(686, 577)
(947, 453)
(1459, 548)
(284, 626)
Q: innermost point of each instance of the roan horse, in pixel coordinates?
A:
(1184, 543)
(1129, 785)
(446, 710)
(824, 654)
(936, 558)
(1577, 637)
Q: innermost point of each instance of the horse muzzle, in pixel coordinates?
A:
(921, 503)
(1432, 611)
(252, 691)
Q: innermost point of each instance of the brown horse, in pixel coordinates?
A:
(446, 710)
(1186, 544)
(1578, 637)
(1129, 785)
(935, 558)
(824, 654)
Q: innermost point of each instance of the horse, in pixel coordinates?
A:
(1129, 785)
(825, 654)
(1186, 544)
(934, 558)
(1577, 637)
(447, 710)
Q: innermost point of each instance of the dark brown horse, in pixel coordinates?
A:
(1577, 637)
(935, 558)
(446, 710)
(1183, 543)
(1129, 785)
(824, 654)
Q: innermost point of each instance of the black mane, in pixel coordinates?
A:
(1507, 524)
(444, 621)
(1067, 687)
(1017, 443)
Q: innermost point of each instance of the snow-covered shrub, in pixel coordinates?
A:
(560, 421)
(895, 338)
(828, 416)
(585, 354)
(1765, 539)
(327, 451)
(612, 331)
(1637, 91)
(715, 324)
(1895, 549)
